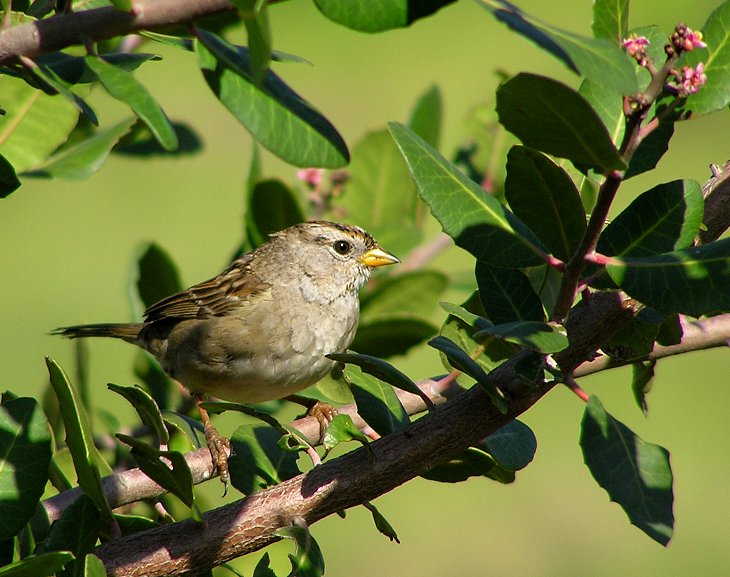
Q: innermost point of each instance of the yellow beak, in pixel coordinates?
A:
(378, 257)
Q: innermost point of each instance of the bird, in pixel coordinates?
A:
(262, 329)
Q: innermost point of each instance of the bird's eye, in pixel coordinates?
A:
(342, 247)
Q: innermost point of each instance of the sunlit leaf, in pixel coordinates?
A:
(365, 16)
(611, 19)
(376, 403)
(307, 560)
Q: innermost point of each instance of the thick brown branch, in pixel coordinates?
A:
(77, 28)
(248, 524)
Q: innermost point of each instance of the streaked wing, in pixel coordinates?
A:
(213, 297)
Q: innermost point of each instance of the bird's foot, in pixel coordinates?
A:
(219, 447)
(323, 412)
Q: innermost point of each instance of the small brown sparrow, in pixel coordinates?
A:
(260, 330)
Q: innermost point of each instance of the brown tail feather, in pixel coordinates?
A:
(127, 332)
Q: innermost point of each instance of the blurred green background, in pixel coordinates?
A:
(68, 248)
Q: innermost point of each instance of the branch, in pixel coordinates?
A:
(77, 28)
(248, 525)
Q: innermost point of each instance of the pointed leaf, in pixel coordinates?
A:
(155, 275)
(73, 69)
(393, 335)
(383, 371)
(693, 281)
(342, 430)
(543, 196)
(609, 108)
(83, 158)
(174, 477)
(307, 561)
(381, 195)
(254, 14)
(611, 20)
(472, 462)
(93, 567)
(426, 116)
(272, 207)
(9, 181)
(376, 403)
(715, 94)
(79, 439)
(34, 124)
(25, 454)
(642, 377)
(462, 361)
(664, 218)
(364, 16)
(651, 149)
(549, 116)
(513, 446)
(257, 461)
(51, 83)
(475, 220)
(507, 295)
(262, 568)
(121, 85)
(636, 474)
(76, 531)
(597, 59)
(45, 565)
(412, 293)
(541, 337)
(275, 115)
(146, 408)
(381, 523)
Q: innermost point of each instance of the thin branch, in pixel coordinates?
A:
(78, 28)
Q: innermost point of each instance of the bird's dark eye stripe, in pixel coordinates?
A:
(342, 247)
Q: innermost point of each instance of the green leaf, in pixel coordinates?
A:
(541, 337)
(472, 462)
(34, 124)
(715, 94)
(552, 117)
(597, 59)
(219, 407)
(25, 454)
(381, 523)
(76, 531)
(474, 219)
(52, 84)
(9, 181)
(611, 20)
(79, 439)
(366, 16)
(262, 568)
(426, 116)
(93, 567)
(275, 115)
(692, 281)
(642, 377)
(664, 218)
(381, 195)
(45, 565)
(376, 403)
(272, 207)
(608, 107)
(257, 461)
(73, 69)
(651, 149)
(460, 326)
(390, 336)
(175, 477)
(634, 340)
(155, 275)
(412, 293)
(636, 474)
(342, 430)
(83, 158)
(255, 16)
(507, 295)
(383, 371)
(463, 362)
(307, 561)
(543, 196)
(513, 446)
(146, 408)
(121, 85)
